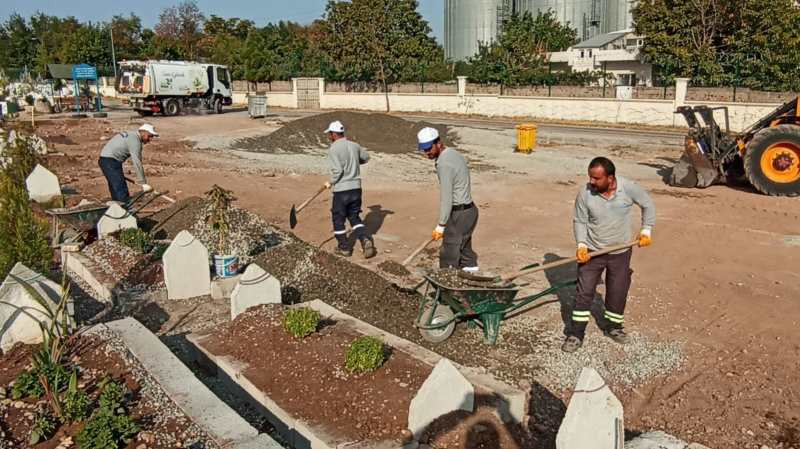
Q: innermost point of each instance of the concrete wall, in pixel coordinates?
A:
(274, 99)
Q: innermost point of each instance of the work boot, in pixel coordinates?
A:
(343, 252)
(368, 248)
(571, 344)
(617, 334)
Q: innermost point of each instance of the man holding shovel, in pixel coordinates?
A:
(458, 215)
(603, 219)
(345, 159)
(123, 146)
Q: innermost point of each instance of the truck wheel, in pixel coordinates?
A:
(218, 106)
(772, 161)
(172, 108)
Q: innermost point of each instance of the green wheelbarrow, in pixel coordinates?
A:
(442, 307)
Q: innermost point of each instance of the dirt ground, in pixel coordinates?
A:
(721, 278)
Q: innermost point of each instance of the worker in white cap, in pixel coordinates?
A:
(123, 146)
(458, 215)
(345, 158)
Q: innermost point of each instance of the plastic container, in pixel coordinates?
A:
(226, 266)
(526, 137)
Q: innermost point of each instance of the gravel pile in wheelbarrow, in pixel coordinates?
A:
(380, 133)
(529, 345)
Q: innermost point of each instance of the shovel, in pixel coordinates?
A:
(162, 195)
(296, 210)
(417, 251)
(508, 277)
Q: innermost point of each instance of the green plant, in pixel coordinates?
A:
(27, 385)
(136, 239)
(29, 99)
(75, 403)
(219, 205)
(111, 395)
(366, 354)
(43, 427)
(159, 250)
(301, 322)
(107, 430)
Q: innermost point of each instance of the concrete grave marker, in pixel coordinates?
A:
(594, 416)
(115, 219)
(15, 324)
(445, 390)
(255, 287)
(187, 272)
(42, 185)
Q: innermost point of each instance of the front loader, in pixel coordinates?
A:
(767, 154)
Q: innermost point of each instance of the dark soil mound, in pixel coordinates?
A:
(376, 132)
(395, 268)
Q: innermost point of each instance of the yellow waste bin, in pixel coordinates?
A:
(526, 137)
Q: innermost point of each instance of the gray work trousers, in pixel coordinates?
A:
(456, 249)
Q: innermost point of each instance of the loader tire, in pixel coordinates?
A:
(772, 161)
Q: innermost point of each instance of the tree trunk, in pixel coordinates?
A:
(385, 87)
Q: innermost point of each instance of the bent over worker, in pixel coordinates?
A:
(345, 158)
(458, 215)
(603, 219)
(123, 146)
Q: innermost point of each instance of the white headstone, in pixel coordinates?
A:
(594, 416)
(656, 440)
(20, 314)
(187, 272)
(42, 185)
(445, 390)
(116, 218)
(255, 287)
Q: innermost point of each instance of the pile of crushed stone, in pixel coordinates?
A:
(380, 133)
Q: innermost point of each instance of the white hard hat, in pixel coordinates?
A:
(426, 138)
(148, 128)
(335, 127)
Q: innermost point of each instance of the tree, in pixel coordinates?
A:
(128, 36)
(519, 55)
(182, 25)
(18, 42)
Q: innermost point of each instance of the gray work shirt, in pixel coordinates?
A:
(601, 222)
(345, 159)
(124, 145)
(455, 188)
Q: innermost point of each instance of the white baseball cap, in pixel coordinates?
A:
(426, 138)
(335, 127)
(149, 129)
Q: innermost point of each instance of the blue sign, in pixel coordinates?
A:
(84, 72)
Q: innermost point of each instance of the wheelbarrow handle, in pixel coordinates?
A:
(508, 277)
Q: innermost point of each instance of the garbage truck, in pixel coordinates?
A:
(172, 87)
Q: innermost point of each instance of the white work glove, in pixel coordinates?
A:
(327, 184)
(645, 238)
(438, 233)
(146, 188)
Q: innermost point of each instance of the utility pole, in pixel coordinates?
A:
(113, 56)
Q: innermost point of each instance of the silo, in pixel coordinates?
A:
(467, 22)
(588, 17)
(619, 15)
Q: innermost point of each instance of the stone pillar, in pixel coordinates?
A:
(462, 86)
(681, 86)
(321, 82)
(294, 91)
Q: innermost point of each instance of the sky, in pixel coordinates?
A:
(259, 11)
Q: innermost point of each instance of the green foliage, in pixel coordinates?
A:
(27, 385)
(43, 428)
(366, 354)
(748, 43)
(301, 322)
(220, 201)
(159, 250)
(136, 239)
(110, 427)
(519, 56)
(75, 405)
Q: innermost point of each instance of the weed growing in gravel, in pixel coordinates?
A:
(136, 239)
(75, 406)
(220, 201)
(43, 427)
(110, 427)
(366, 354)
(301, 322)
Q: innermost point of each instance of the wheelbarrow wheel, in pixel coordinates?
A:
(442, 314)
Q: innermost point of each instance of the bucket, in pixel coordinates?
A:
(226, 266)
(526, 137)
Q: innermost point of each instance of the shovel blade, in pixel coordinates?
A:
(292, 217)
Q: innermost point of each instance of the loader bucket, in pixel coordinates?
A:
(693, 169)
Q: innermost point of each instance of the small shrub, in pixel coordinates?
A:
(107, 430)
(159, 250)
(75, 406)
(301, 322)
(29, 99)
(112, 395)
(365, 355)
(43, 428)
(136, 239)
(27, 385)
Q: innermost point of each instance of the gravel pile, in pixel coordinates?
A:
(248, 234)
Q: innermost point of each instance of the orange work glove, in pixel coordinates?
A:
(644, 238)
(582, 254)
(438, 233)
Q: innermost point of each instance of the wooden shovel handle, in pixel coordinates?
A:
(162, 195)
(305, 203)
(417, 251)
(508, 277)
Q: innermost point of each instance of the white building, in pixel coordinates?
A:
(615, 53)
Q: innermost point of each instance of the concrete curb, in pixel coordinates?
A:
(224, 425)
(84, 268)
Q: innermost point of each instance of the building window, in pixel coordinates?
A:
(581, 53)
(590, 53)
